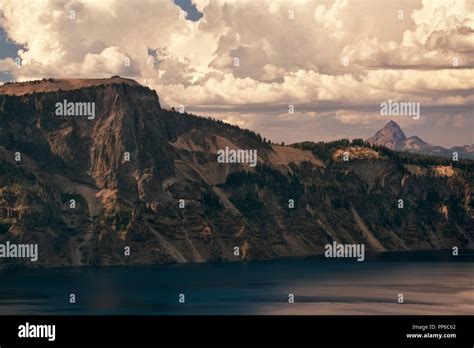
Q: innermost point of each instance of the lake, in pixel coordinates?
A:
(431, 283)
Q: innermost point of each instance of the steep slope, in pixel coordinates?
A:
(147, 178)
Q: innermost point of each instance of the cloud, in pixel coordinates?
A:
(443, 36)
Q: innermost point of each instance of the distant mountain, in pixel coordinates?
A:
(466, 151)
(392, 137)
(142, 177)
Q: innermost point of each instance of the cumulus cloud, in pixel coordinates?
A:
(443, 36)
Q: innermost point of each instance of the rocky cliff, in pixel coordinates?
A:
(140, 178)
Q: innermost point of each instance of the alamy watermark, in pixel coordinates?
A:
(237, 156)
(345, 250)
(28, 330)
(66, 108)
(395, 108)
(10, 250)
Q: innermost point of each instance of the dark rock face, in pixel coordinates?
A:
(131, 168)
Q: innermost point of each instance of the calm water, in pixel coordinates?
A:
(431, 284)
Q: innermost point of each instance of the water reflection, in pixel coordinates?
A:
(429, 286)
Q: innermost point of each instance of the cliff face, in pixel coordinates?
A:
(85, 189)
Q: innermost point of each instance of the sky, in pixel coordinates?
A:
(332, 62)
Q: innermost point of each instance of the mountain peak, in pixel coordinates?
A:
(392, 137)
(392, 124)
(389, 136)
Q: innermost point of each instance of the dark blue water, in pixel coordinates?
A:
(430, 284)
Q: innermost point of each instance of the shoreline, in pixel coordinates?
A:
(401, 256)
